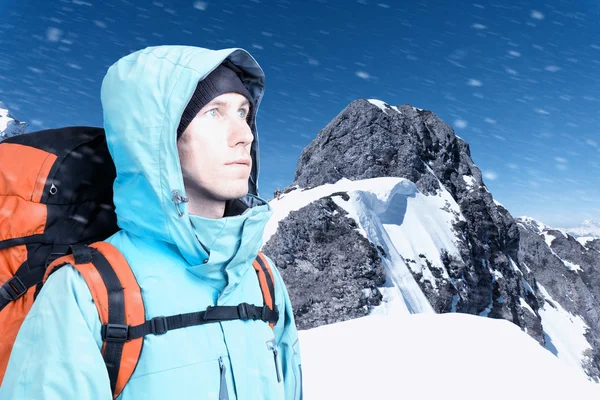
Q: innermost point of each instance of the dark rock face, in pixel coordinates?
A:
(331, 271)
(365, 142)
(577, 291)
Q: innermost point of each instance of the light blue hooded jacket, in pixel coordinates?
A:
(183, 263)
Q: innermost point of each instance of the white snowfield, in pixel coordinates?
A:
(404, 347)
(424, 356)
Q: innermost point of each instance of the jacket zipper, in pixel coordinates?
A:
(273, 347)
(177, 200)
(223, 395)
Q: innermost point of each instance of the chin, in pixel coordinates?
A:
(233, 193)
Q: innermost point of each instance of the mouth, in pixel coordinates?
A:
(241, 161)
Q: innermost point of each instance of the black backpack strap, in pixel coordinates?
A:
(20, 283)
(161, 325)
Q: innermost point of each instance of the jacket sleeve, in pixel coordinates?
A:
(288, 345)
(56, 356)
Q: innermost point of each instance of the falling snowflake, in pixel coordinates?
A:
(490, 175)
(363, 74)
(552, 68)
(478, 26)
(537, 15)
(200, 5)
(53, 34)
(474, 82)
(461, 123)
(514, 53)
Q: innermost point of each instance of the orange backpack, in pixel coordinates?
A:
(55, 207)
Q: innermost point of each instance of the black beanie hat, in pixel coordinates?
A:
(222, 80)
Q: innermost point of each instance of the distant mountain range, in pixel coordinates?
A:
(589, 228)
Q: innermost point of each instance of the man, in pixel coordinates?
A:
(180, 126)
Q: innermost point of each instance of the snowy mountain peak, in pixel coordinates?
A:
(9, 125)
(423, 154)
(383, 106)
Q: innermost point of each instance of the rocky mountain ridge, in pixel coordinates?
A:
(496, 266)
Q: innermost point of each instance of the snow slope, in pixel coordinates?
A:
(410, 227)
(564, 332)
(446, 356)
(413, 229)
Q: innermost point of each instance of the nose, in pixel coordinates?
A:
(241, 132)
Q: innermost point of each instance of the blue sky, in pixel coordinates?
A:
(519, 83)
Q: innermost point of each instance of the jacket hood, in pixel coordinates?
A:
(143, 97)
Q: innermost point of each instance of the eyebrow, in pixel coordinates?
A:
(223, 103)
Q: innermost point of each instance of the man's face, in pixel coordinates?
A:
(214, 150)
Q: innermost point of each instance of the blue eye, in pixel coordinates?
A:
(242, 113)
(213, 112)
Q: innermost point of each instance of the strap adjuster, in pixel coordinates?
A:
(243, 311)
(206, 313)
(15, 287)
(159, 325)
(116, 333)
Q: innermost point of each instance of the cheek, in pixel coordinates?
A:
(205, 157)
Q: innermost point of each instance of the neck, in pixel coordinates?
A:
(205, 207)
